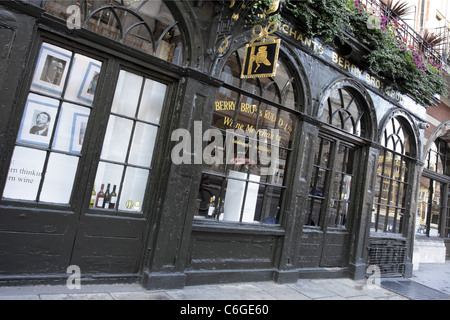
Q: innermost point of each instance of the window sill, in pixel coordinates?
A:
(387, 235)
(236, 227)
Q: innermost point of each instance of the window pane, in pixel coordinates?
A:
(83, 79)
(312, 215)
(59, 178)
(71, 128)
(108, 173)
(248, 113)
(152, 101)
(323, 153)
(318, 182)
(224, 112)
(286, 125)
(133, 190)
(143, 143)
(251, 198)
(388, 164)
(51, 70)
(234, 196)
(24, 175)
(269, 204)
(38, 121)
(270, 92)
(126, 95)
(393, 196)
(117, 139)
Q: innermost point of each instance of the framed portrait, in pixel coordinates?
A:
(89, 84)
(37, 122)
(51, 70)
(78, 132)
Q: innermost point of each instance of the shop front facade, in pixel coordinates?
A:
(133, 150)
(431, 243)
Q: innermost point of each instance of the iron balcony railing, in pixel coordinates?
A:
(405, 32)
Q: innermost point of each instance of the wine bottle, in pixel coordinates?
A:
(100, 198)
(107, 197)
(211, 208)
(93, 196)
(112, 201)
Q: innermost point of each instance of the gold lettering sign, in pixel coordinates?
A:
(261, 55)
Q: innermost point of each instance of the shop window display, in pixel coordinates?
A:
(146, 25)
(127, 152)
(53, 126)
(392, 179)
(248, 182)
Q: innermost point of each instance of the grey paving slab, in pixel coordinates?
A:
(210, 292)
(76, 296)
(20, 297)
(281, 292)
(340, 288)
(245, 291)
(140, 296)
(311, 290)
(434, 275)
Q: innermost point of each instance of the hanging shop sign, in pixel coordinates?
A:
(261, 53)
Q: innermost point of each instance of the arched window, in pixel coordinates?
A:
(329, 200)
(438, 157)
(146, 25)
(343, 111)
(254, 120)
(433, 212)
(392, 178)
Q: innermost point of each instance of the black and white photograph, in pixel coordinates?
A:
(38, 122)
(89, 84)
(51, 70)
(78, 132)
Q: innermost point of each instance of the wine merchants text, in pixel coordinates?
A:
(375, 83)
(317, 48)
(231, 146)
(251, 110)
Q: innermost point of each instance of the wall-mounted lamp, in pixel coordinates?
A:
(424, 125)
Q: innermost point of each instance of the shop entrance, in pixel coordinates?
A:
(110, 235)
(82, 161)
(325, 235)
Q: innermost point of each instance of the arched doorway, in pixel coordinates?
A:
(332, 200)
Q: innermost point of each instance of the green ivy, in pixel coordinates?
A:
(389, 56)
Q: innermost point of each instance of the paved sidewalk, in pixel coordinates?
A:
(323, 289)
(433, 276)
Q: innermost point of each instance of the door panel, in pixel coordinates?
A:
(325, 236)
(310, 247)
(63, 148)
(109, 245)
(111, 232)
(334, 253)
(35, 241)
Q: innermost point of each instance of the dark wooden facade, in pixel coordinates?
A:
(167, 245)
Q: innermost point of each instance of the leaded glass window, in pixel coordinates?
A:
(392, 179)
(146, 25)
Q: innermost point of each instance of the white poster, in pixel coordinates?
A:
(25, 173)
(251, 199)
(234, 197)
